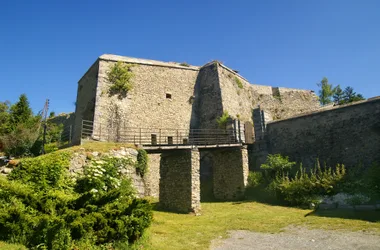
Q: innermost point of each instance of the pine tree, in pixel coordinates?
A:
(326, 92)
(20, 112)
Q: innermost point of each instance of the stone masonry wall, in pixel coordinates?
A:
(280, 103)
(348, 135)
(230, 173)
(180, 181)
(85, 103)
(171, 96)
(146, 105)
(208, 101)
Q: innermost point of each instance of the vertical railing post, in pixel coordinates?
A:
(177, 137)
(140, 137)
(217, 137)
(159, 137)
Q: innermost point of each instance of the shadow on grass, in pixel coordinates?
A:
(370, 216)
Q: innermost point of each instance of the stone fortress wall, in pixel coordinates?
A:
(348, 134)
(168, 95)
(174, 96)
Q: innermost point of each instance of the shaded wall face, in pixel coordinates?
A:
(208, 103)
(85, 102)
(161, 97)
(347, 135)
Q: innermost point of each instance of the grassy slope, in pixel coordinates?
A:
(176, 231)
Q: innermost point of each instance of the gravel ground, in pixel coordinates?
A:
(298, 238)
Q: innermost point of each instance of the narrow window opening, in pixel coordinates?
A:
(168, 96)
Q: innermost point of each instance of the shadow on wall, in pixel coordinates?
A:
(207, 100)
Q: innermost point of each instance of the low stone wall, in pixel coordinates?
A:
(180, 181)
(347, 134)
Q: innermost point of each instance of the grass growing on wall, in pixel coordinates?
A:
(238, 82)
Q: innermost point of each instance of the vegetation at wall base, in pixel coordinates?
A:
(41, 206)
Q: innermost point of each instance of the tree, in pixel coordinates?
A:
(20, 112)
(326, 92)
(4, 117)
(351, 96)
(52, 114)
(338, 95)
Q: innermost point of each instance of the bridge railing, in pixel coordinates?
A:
(159, 136)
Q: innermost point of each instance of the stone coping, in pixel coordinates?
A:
(116, 58)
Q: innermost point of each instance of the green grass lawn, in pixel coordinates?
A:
(185, 231)
(179, 231)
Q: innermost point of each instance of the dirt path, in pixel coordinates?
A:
(298, 238)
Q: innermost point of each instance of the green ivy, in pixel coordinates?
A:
(142, 162)
(119, 77)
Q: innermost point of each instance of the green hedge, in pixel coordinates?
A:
(41, 208)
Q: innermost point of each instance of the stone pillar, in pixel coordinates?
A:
(180, 181)
(230, 173)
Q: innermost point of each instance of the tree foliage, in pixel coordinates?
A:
(20, 133)
(328, 94)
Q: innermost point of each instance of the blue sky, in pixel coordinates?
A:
(46, 46)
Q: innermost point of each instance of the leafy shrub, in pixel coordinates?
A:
(305, 187)
(222, 121)
(255, 179)
(19, 141)
(41, 209)
(50, 147)
(372, 180)
(142, 162)
(357, 199)
(120, 76)
(276, 164)
(46, 171)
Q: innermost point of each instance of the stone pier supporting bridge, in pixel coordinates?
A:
(179, 189)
